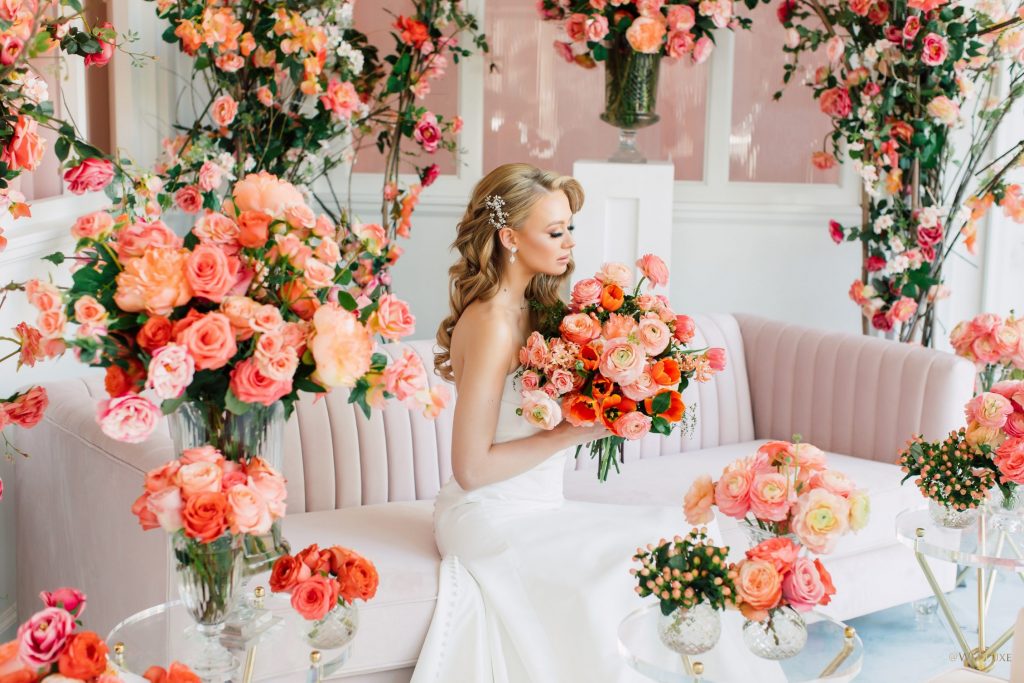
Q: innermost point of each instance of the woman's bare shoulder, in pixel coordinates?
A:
(483, 328)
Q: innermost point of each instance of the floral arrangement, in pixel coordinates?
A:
(320, 580)
(784, 488)
(51, 646)
(994, 345)
(774, 575)
(248, 309)
(900, 82)
(685, 572)
(615, 358)
(672, 28)
(951, 472)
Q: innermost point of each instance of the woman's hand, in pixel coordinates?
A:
(577, 436)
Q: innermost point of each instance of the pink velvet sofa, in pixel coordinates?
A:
(369, 484)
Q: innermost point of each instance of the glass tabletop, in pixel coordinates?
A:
(166, 633)
(730, 661)
(979, 545)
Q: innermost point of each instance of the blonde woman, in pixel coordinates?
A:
(532, 587)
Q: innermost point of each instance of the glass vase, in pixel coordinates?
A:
(335, 630)
(208, 575)
(756, 534)
(951, 518)
(690, 631)
(1006, 508)
(781, 636)
(630, 95)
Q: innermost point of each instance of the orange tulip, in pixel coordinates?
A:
(666, 372)
(613, 406)
(601, 387)
(676, 407)
(612, 297)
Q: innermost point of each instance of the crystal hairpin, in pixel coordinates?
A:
(496, 206)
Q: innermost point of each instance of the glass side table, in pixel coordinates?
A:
(834, 653)
(166, 633)
(981, 546)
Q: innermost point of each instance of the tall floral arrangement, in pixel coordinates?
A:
(913, 91)
(994, 345)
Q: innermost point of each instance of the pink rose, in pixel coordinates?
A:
(248, 511)
(820, 517)
(272, 487)
(1009, 459)
(25, 149)
(205, 453)
(266, 193)
(654, 269)
(88, 311)
(769, 496)
(702, 50)
(210, 341)
(654, 335)
(579, 328)
(342, 347)
(170, 371)
(562, 381)
(732, 491)
(210, 176)
(575, 27)
(166, 506)
(211, 273)
(406, 376)
(681, 18)
(903, 309)
(686, 329)
(537, 352)
(102, 57)
(678, 45)
(802, 588)
(89, 176)
(41, 639)
(988, 409)
(219, 230)
(596, 28)
(223, 110)
(615, 274)
(129, 418)
(316, 273)
(622, 361)
(698, 501)
(427, 133)
(944, 110)
(934, 50)
(92, 226)
(586, 293)
(70, 599)
(530, 380)
(643, 388)
(836, 102)
(135, 239)
(540, 410)
(189, 199)
(392, 319)
(250, 385)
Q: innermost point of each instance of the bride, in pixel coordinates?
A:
(532, 586)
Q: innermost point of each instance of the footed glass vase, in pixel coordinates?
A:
(630, 96)
(1006, 508)
(690, 631)
(208, 576)
(781, 636)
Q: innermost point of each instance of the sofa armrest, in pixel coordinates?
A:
(847, 393)
(73, 498)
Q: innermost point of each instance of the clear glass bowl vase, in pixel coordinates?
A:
(951, 518)
(690, 631)
(781, 636)
(335, 630)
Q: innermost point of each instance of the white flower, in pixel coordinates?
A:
(855, 146)
(929, 217)
(250, 163)
(883, 223)
(896, 244)
(899, 264)
(870, 56)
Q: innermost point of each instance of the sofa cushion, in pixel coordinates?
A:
(399, 539)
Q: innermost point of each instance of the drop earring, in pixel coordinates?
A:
(512, 258)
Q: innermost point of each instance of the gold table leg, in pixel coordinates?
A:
(848, 635)
(315, 669)
(947, 611)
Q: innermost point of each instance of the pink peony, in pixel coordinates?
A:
(540, 410)
(622, 361)
(41, 639)
(802, 588)
(266, 193)
(89, 176)
(129, 418)
(170, 371)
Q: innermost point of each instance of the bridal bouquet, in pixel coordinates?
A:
(784, 488)
(994, 345)
(613, 357)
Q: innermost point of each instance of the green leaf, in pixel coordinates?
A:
(170, 405)
(346, 301)
(661, 403)
(234, 405)
(74, 4)
(308, 385)
(61, 148)
(404, 62)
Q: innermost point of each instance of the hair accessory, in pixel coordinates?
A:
(496, 206)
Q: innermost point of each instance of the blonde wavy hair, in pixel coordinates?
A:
(477, 273)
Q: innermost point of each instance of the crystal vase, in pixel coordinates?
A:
(630, 95)
(756, 534)
(690, 631)
(781, 636)
(1006, 508)
(208, 575)
(951, 518)
(335, 630)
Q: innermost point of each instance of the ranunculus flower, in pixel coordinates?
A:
(579, 328)
(698, 501)
(645, 34)
(614, 273)
(205, 516)
(42, 638)
(654, 335)
(71, 599)
(833, 481)
(732, 491)
(392, 319)
(988, 409)
(315, 597)
(643, 388)
(780, 551)
(633, 425)
(266, 193)
(860, 509)
(759, 586)
(154, 282)
(802, 588)
(769, 496)
(25, 149)
(819, 518)
(210, 341)
(586, 293)
(540, 410)
(129, 418)
(223, 110)
(91, 175)
(622, 361)
(342, 347)
(250, 385)
(170, 371)
(654, 269)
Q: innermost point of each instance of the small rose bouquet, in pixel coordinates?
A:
(321, 580)
(784, 488)
(685, 572)
(775, 575)
(994, 345)
(51, 647)
(613, 357)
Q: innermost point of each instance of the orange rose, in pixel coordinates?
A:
(120, 381)
(12, 669)
(210, 272)
(675, 410)
(299, 299)
(312, 558)
(646, 34)
(210, 341)
(205, 516)
(156, 332)
(178, 673)
(579, 410)
(759, 585)
(287, 573)
(26, 148)
(84, 656)
(154, 282)
(666, 372)
(612, 297)
(253, 229)
(358, 579)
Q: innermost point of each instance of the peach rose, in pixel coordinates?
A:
(315, 597)
(250, 385)
(241, 312)
(579, 328)
(698, 501)
(357, 577)
(94, 226)
(273, 488)
(217, 229)
(622, 362)
(562, 381)
(189, 199)
(654, 335)
(166, 506)
(802, 588)
(25, 149)
(328, 251)
(205, 453)
(988, 409)
(248, 511)
(646, 34)
(392, 319)
(253, 229)
(944, 110)
(136, 238)
(836, 102)
(681, 18)
(223, 110)
(537, 352)
(199, 477)
(210, 341)
(205, 516)
(300, 217)
(586, 293)
(342, 347)
(265, 192)
(170, 371)
(615, 274)
(769, 496)
(540, 410)
(129, 418)
(88, 311)
(759, 586)
(654, 269)
(300, 300)
(154, 282)
(211, 273)
(819, 518)
(781, 552)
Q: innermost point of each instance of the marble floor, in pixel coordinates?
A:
(902, 645)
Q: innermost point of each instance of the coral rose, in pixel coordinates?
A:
(253, 229)
(189, 199)
(1009, 458)
(211, 273)
(84, 657)
(27, 409)
(392, 319)
(759, 586)
(357, 577)
(25, 149)
(315, 597)
(223, 110)
(154, 282)
(342, 347)
(698, 501)
(836, 102)
(210, 341)
(92, 226)
(205, 516)
(288, 573)
(250, 385)
(781, 552)
(91, 175)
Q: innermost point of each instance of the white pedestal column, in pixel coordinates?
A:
(627, 213)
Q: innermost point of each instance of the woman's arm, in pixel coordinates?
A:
(476, 460)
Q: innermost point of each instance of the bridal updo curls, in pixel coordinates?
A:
(482, 259)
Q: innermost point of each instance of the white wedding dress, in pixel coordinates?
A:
(533, 586)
